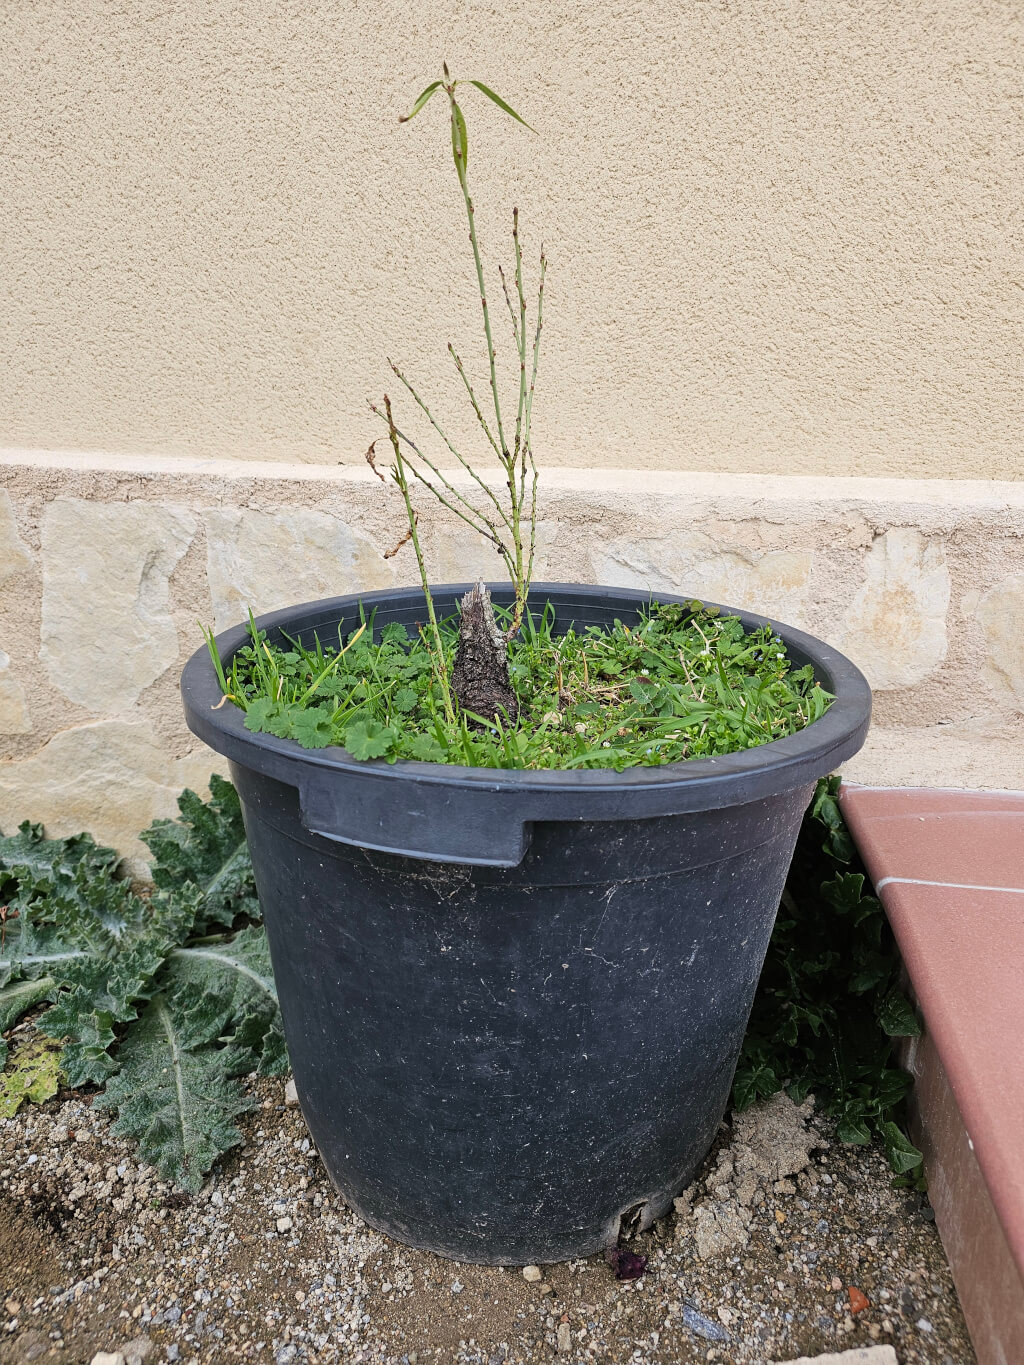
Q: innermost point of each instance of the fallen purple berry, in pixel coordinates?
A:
(626, 1264)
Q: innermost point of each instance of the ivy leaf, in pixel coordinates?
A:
(172, 1095)
(853, 1130)
(903, 1155)
(752, 1084)
(206, 847)
(368, 739)
(896, 1016)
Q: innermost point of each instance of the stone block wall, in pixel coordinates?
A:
(109, 563)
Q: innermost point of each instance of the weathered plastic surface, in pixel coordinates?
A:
(526, 1033)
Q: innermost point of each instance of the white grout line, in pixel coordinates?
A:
(1001, 792)
(953, 886)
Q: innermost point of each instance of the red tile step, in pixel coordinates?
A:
(948, 866)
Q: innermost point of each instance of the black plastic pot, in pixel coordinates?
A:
(514, 1000)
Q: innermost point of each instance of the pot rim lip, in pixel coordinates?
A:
(833, 737)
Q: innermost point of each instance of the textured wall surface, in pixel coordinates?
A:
(779, 230)
(920, 582)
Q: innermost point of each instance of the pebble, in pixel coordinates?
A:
(563, 1338)
(284, 1225)
(108, 1358)
(532, 1273)
(291, 1095)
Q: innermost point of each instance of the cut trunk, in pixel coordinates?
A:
(480, 676)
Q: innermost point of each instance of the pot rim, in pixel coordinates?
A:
(822, 743)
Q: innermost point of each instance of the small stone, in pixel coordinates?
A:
(719, 1228)
(784, 1187)
(108, 1358)
(291, 1095)
(137, 1350)
(13, 1307)
(925, 1325)
(545, 1288)
(837, 1283)
(780, 1217)
(564, 1338)
(284, 1225)
(858, 1299)
(532, 1273)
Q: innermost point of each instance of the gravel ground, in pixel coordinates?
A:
(766, 1258)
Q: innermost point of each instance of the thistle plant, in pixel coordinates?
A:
(506, 518)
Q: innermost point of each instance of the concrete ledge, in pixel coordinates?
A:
(107, 562)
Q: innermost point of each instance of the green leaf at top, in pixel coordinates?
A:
(486, 90)
(421, 100)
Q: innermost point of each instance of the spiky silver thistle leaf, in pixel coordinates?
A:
(171, 1094)
(207, 848)
(237, 973)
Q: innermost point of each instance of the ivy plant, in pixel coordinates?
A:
(167, 999)
(829, 1005)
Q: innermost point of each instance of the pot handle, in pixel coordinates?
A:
(431, 820)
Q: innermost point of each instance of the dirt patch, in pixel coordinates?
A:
(268, 1265)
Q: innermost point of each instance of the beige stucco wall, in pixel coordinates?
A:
(108, 564)
(779, 231)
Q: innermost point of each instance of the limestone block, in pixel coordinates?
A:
(1001, 613)
(455, 553)
(15, 556)
(895, 627)
(14, 716)
(110, 777)
(107, 631)
(269, 560)
(774, 583)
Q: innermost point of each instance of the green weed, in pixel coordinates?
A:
(684, 682)
(829, 1003)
